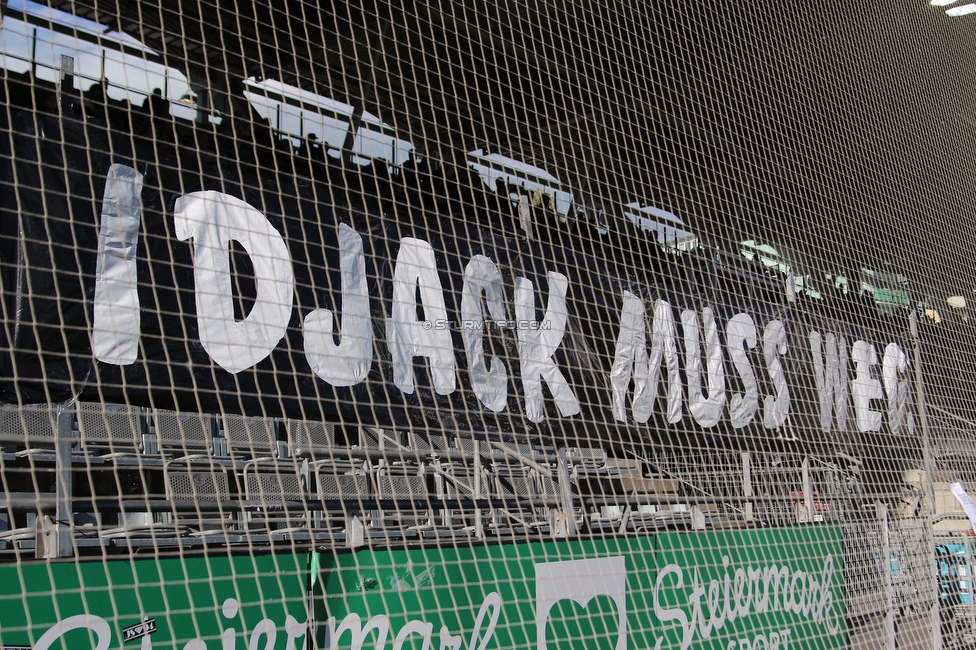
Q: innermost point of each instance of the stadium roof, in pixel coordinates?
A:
(729, 114)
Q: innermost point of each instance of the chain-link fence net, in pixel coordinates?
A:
(486, 325)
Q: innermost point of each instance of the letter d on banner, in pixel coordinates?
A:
(212, 219)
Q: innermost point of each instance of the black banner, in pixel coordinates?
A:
(119, 318)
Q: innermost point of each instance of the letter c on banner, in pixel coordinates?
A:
(489, 378)
(894, 365)
(212, 219)
(95, 624)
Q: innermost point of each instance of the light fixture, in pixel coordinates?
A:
(961, 11)
(942, 3)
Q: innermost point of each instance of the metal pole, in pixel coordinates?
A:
(889, 594)
(566, 493)
(920, 396)
(971, 588)
(479, 525)
(63, 511)
(747, 484)
(66, 82)
(807, 490)
(935, 614)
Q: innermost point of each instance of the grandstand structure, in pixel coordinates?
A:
(529, 325)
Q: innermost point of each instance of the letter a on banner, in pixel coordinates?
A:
(212, 219)
(406, 336)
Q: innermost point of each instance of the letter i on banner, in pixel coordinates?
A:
(115, 324)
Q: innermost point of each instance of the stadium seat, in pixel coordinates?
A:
(529, 515)
(403, 520)
(459, 484)
(427, 445)
(190, 485)
(587, 460)
(454, 476)
(342, 496)
(274, 492)
(250, 438)
(310, 439)
(29, 429)
(112, 430)
(184, 434)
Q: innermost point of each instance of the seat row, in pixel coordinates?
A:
(118, 432)
(205, 502)
(385, 494)
(179, 478)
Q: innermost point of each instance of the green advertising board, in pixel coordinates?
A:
(255, 602)
(761, 589)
